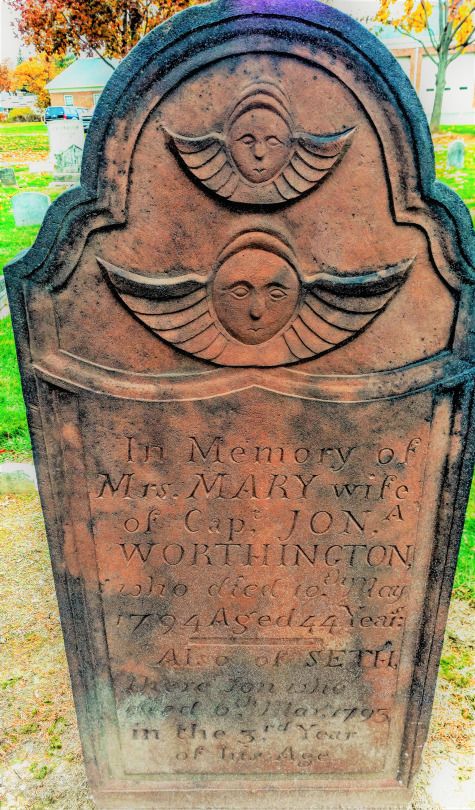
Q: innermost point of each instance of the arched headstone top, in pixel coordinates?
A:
(246, 345)
(200, 35)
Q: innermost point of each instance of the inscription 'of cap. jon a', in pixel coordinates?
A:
(246, 352)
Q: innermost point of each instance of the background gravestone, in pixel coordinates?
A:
(247, 355)
(7, 176)
(66, 144)
(4, 309)
(456, 155)
(29, 208)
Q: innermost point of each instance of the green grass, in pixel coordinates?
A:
(461, 180)
(15, 239)
(462, 129)
(14, 437)
(23, 141)
(464, 583)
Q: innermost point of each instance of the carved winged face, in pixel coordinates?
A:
(260, 143)
(255, 308)
(255, 294)
(259, 156)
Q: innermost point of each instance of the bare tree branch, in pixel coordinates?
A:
(459, 48)
(416, 39)
(85, 42)
(429, 29)
(459, 25)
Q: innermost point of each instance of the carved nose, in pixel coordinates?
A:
(259, 150)
(257, 308)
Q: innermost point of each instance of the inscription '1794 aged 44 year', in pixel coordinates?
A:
(246, 351)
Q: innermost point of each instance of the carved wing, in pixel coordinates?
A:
(313, 157)
(175, 309)
(337, 307)
(207, 159)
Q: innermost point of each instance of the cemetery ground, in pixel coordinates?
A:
(40, 755)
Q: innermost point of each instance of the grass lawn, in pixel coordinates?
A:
(20, 144)
(23, 142)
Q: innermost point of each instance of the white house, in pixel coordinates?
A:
(459, 96)
(81, 84)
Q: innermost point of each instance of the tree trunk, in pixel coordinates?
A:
(440, 82)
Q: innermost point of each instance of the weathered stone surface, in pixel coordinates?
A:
(7, 176)
(29, 208)
(456, 154)
(248, 367)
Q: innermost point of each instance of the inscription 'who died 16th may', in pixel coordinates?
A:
(283, 569)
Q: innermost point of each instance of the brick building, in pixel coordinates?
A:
(80, 84)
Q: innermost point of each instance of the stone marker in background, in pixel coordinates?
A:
(29, 208)
(62, 136)
(7, 176)
(246, 350)
(68, 164)
(4, 308)
(456, 155)
(17, 478)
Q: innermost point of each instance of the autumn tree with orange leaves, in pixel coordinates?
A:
(32, 76)
(5, 77)
(109, 28)
(450, 25)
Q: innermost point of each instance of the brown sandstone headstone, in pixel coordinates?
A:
(246, 350)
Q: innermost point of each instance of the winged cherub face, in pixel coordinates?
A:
(260, 143)
(255, 294)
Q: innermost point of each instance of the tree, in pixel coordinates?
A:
(5, 77)
(450, 29)
(110, 28)
(32, 76)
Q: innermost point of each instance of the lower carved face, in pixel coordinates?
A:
(255, 294)
(260, 144)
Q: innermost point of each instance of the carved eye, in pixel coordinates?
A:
(248, 139)
(240, 291)
(277, 293)
(272, 140)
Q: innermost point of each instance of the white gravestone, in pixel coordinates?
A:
(456, 155)
(62, 136)
(29, 208)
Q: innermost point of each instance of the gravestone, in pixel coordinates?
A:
(29, 208)
(66, 144)
(7, 176)
(456, 155)
(246, 346)
(68, 164)
(4, 309)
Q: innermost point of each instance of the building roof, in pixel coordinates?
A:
(84, 74)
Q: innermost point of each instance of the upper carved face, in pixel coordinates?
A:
(255, 294)
(257, 155)
(260, 144)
